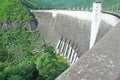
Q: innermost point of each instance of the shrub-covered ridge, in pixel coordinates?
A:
(13, 11)
(24, 55)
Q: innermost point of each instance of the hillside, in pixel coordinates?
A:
(57, 4)
(13, 11)
(24, 55)
(62, 4)
(36, 4)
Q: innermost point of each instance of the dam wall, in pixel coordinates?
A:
(99, 63)
(69, 28)
(73, 26)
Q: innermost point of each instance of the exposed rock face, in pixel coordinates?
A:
(31, 25)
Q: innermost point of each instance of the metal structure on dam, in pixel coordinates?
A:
(67, 50)
(73, 34)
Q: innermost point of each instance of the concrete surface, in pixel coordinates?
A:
(72, 25)
(99, 63)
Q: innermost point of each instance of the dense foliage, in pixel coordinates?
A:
(13, 11)
(36, 4)
(25, 56)
(111, 4)
(64, 4)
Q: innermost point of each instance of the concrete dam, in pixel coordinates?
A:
(69, 33)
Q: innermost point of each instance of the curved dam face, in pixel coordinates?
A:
(102, 62)
(73, 26)
(72, 29)
(69, 32)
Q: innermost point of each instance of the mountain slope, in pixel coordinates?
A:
(13, 11)
(59, 4)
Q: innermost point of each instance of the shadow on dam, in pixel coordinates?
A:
(69, 35)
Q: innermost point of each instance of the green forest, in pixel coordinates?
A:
(13, 11)
(24, 54)
(65, 4)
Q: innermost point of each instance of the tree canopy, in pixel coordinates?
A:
(13, 11)
(65, 4)
(24, 55)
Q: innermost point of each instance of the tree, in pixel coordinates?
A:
(49, 66)
(24, 55)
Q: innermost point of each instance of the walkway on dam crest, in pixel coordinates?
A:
(84, 15)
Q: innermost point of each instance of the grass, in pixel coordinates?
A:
(64, 4)
(13, 11)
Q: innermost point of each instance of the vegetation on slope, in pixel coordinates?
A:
(36, 4)
(13, 11)
(111, 4)
(26, 56)
(64, 4)
(56, 4)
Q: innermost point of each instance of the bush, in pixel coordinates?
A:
(24, 55)
(13, 11)
(49, 66)
(15, 77)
